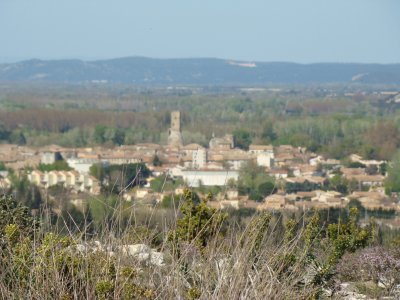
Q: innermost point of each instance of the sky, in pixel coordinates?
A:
(303, 31)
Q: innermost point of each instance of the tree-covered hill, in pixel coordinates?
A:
(204, 71)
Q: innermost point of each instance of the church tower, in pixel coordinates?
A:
(174, 134)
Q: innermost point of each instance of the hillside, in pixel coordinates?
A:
(139, 70)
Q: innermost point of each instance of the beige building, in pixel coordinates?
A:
(224, 143)
(68, 179)
(273, 202)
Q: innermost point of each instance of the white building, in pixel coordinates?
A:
(195, 178)
(82, 165)
(265, 160)
(264, 155)
(199, 158)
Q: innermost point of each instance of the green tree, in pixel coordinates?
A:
(119, 137)
(267, 188)
(169, 201)
(97, 171)
(156, 161)
(371, 170)
(99, 134)
(339, 183)
(13, 213)
(251, 177)
(383, 167)
(242, 139)
(18, 137)
(268, 135)
(336, 240)
(33, 198)
(392, 182)
(4, 133)
(59, 165)
(76, 220)
(199, 223)
(126, 176)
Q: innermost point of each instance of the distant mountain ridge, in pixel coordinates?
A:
(196, 71)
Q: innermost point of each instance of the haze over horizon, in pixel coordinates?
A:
(309, 31)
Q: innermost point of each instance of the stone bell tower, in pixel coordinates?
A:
(174, 133)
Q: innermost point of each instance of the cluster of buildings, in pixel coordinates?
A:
(218, 164)
(73, 180)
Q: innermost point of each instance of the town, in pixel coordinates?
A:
(298, 179)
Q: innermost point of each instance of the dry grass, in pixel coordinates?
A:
(238, 262)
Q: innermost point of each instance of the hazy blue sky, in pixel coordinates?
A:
(255, 30)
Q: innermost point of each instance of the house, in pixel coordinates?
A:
(273, 202)
(359, 175)
(236, 159)
(331, 162)
(307, 205)
(311, 179)
(91, 185)
(369, 180)
(38, 178)
(314, 161)
(62, 177)
(225, 142)
(265, 160)
(190, 148)
(176, 171)
(305, 170)
(258, 149)
(366, 162)
(199, 158)
(355, 157)
(235, 204)
(72, 178)
(321, 160)
(331, 198)
(50, 157)
(264, 154)
(299, 196)
(215, 157)
(373, 200)
(173, 158)
(120, 159)
(187, 161)
(350, 172)
(52, 178)
(278, 173)
(283, 159)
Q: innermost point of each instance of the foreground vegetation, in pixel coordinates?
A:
(206, 255)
